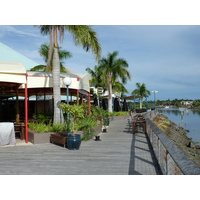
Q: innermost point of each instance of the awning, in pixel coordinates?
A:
(45, 80)
(132, 97)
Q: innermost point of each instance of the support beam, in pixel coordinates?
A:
(88, 102)
(26, 111)
(77, 97)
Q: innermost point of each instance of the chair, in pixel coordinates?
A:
(18, 132)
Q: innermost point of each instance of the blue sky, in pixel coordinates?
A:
(164, 57)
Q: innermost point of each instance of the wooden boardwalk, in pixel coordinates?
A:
(118, 153)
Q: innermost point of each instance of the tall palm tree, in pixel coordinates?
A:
(44, 52)
(114, 68)
(82, 35)
(141, 91)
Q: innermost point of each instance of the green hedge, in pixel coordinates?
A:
(121, 113)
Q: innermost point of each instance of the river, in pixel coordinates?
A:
(186, 118)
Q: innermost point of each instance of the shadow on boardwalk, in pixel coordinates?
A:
(142, 157)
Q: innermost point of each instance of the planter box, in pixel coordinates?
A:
(38, 138)
(41, 138)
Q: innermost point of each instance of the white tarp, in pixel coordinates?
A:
(7, 134)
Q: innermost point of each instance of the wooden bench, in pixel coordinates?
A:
(58, 138)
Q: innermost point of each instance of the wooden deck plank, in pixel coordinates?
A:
(118, 152)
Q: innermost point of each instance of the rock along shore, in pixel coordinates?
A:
(178, 135)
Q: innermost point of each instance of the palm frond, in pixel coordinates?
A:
(38, 68)
(85, 36)
(119, 87)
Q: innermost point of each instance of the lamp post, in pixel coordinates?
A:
(155, 100)
(67, 81)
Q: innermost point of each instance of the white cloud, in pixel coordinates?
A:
(15, 30)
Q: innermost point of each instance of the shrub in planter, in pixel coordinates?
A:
(102, 115)
(59, 127)
(43, 128)
(76, 113)
(87, 125)
(40, 118)
(40, 127)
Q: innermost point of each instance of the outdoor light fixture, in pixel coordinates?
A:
(67, 81)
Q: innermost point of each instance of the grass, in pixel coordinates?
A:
(121, 113)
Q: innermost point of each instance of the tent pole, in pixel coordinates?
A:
(26, 110)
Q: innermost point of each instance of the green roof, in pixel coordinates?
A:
(8, 54)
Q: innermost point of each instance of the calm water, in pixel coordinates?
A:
(188, 119)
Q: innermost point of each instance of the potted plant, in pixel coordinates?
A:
(87, 125)
(75, 113)
(106, 119)
(102, 115)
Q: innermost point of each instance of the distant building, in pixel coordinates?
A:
(187, 103)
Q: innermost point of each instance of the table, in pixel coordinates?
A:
(7, 134)
(141, 123)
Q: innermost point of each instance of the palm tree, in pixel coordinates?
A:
(97, 80)
(84, 36)
(114, 68)
(97, 77)
(45, 30)
(44, 52)
(119, 87)
(141, 91)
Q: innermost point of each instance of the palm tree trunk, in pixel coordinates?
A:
(109, 94)
(58, 116)
(140, 103)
